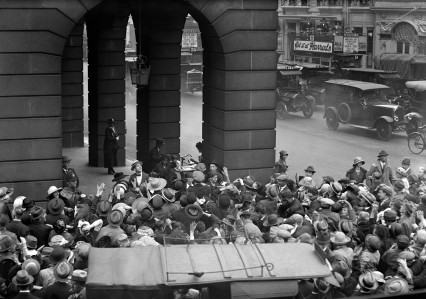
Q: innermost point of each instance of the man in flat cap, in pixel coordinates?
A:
(382, 167)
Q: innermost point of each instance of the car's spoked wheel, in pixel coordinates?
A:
(384, 130)
(416, 143)
(331, 120)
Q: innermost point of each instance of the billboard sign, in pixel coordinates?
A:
(313, 46)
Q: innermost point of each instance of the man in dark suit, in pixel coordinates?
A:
(110, 146)
(23, 281)
(155, 153)
(383, 168)
(69, 176)
(137, 180)
(16, 226)
(38, 228)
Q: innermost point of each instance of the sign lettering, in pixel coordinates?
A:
(350, 44)
(189, 40)
(312, 46)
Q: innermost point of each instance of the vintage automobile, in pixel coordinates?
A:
(365, 105)
(194, 80)
(291, 96)
(417, 91)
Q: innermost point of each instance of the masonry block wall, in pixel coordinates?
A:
(33, 35)
(72, 89)
(158, 105)
(240, 43)
(106, 30)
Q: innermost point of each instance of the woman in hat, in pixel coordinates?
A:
(222, 173)
(111, 146)
(357, 172)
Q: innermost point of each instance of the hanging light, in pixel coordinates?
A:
(139, 69)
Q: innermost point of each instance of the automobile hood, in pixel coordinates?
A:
(389, 106)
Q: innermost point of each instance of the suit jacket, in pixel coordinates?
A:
(133, 177)
(41, 231)
(280, 166)
(387, 175)
(359, 178)
(18, 228)
(25, 296)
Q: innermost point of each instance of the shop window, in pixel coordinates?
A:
(402, 48)
(357, 30)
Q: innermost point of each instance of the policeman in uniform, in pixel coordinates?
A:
(69, 176)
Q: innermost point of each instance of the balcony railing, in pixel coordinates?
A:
(361, 3)
(329, 3)
(294, 2)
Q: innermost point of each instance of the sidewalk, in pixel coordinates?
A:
(91, 176)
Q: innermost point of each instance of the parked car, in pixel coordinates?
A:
(417, 91)
(291, 96)
(194, 80)
(365, 105)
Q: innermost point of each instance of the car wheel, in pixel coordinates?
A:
(384, 130)
(281, 110)
(308, 111)
(411, 127)
(345, 112)
(331, 120)
(416, 143)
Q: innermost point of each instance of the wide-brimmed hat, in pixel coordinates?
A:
(310, 169)
(272, 220)
(118, 176)
(168, 194)
(103, 208)
(5, 191)
(248, 181)
(52, 189)
(353, 188)
(62, 271)
(57, 240)
(32, 266)
(368, 197)
(6, 243)
(322, 285)
(340, 239)
(358, 160)
(22, 278)
(156, 184)
(65, 159)
(57, 255)
(382, 153)
(31, 242)
(368, 281)
(282, 177)
(179, 185)
(37, 212)
(396, 286)
(325, 202)
(136, 163)
(115, 218)
(55, 206)
(193, 211)
(122, 207)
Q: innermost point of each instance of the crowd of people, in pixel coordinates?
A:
(369, 222)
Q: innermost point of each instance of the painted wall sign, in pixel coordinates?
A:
(312, 46)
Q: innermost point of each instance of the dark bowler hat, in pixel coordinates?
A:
(22, 278)
(111, 121)
(37, 212)
(58, 255)
(159, 140)
(28, 203)
(310, 169)
(118, 176)
(382, 153)
(65, 159)
(272, 220)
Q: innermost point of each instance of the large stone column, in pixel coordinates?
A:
(106, 30)
(32, 39)
(72, 89)
(158, 105)
(240, 42)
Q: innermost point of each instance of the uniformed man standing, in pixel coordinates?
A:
(69, 176)
(155, 153)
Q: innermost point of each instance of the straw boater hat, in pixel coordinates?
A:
(136, 163)
(156, 184)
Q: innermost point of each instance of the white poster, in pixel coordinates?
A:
(350, 44)
(312, 46)
(189, 40)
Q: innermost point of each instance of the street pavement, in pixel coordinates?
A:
(308, 142)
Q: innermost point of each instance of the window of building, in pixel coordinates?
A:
(402, 48)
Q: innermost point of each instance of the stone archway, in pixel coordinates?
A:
(240, 42)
